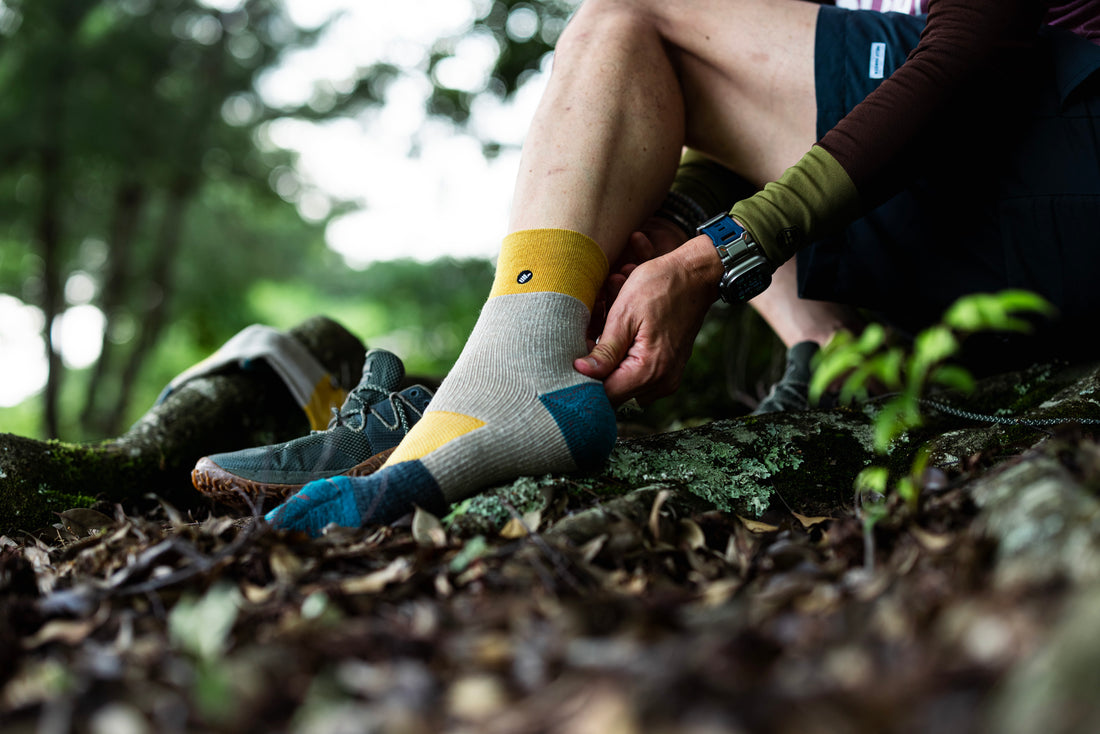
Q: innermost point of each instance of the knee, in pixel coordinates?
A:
(603, 22)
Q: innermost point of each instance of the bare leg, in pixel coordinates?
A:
(604, 143)
(634, 81)
(796, 319)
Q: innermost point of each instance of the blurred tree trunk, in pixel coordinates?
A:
(48, 235)
(66, 18)
(184, 185)
(129, 203)
(158, 289)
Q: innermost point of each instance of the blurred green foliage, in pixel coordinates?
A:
(906, 375)
(133, 156)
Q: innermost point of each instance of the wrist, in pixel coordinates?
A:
(682, 211)
(699, 260)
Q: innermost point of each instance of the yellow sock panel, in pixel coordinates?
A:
(550, 260)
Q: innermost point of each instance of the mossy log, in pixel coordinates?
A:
(802, 461)
(806, 462)
(222, 412)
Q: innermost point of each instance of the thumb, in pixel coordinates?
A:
(604, 357)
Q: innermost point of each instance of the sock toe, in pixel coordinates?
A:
(352, 502)
(316, 505)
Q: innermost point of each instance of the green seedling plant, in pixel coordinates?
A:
(907, 374)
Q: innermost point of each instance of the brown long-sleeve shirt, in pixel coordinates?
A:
(864, 156)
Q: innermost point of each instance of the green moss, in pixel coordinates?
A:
(491, 508)
(738, 466)
(37, 508)
(41, 478)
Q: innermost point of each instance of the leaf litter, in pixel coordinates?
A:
(644, 613)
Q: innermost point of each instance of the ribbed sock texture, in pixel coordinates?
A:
(512, 405)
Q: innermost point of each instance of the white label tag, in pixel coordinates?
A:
(878, 60)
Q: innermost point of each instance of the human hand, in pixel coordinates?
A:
(657, 237)
(652, 324)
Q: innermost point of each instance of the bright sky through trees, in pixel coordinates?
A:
(426, 189)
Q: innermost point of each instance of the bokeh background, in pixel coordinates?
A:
(174, 170)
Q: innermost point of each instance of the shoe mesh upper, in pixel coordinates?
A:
(373, 418)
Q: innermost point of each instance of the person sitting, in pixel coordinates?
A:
(898, 161)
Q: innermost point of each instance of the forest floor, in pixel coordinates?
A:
(646, 612)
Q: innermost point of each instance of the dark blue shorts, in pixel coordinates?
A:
(1007, 193)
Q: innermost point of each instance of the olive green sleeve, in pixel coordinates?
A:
(813, 198)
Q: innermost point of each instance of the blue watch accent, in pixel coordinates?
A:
(723, 232)
(747, 272)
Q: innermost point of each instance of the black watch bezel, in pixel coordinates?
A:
(747, 272)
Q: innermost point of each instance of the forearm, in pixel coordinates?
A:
(812, 199)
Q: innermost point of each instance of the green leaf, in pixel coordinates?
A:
(933, 345)
(839, 357)
(888, 368)
(908, 490)
(213, 691)
(996, 311)
(952, 376)
(856, 384)
(1025, 301)
(872, 479)
(871, 339)
(896, 417)
(963, 315)
(202, 626)
(474, 549)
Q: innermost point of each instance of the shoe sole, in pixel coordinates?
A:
(245, 494)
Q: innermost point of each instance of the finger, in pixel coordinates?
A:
(620, 386)
(636, 378)
(642, 247)
(601, 361)
(614, 285)
(606, 355)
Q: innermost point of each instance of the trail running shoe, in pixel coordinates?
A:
(361, 435)
(792, 392)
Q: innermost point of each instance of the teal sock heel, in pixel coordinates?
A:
(586, 420)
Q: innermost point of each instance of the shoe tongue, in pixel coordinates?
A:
(382, 369)
(382, 373)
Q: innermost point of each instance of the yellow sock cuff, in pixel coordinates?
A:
(554, 260)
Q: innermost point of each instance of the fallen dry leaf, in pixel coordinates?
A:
(427, 530)
(756, 526)
(400, 569)
(809, 522)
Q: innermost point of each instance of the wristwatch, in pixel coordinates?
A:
(748, 272)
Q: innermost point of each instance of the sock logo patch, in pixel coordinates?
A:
(524, 277)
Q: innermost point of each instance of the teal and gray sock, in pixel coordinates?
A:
(513, 404)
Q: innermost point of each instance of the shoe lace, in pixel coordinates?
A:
(402, 407)
(356, 405)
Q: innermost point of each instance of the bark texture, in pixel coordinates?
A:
(222, 412)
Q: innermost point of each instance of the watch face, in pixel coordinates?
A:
(746, 280)
(751, 285)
